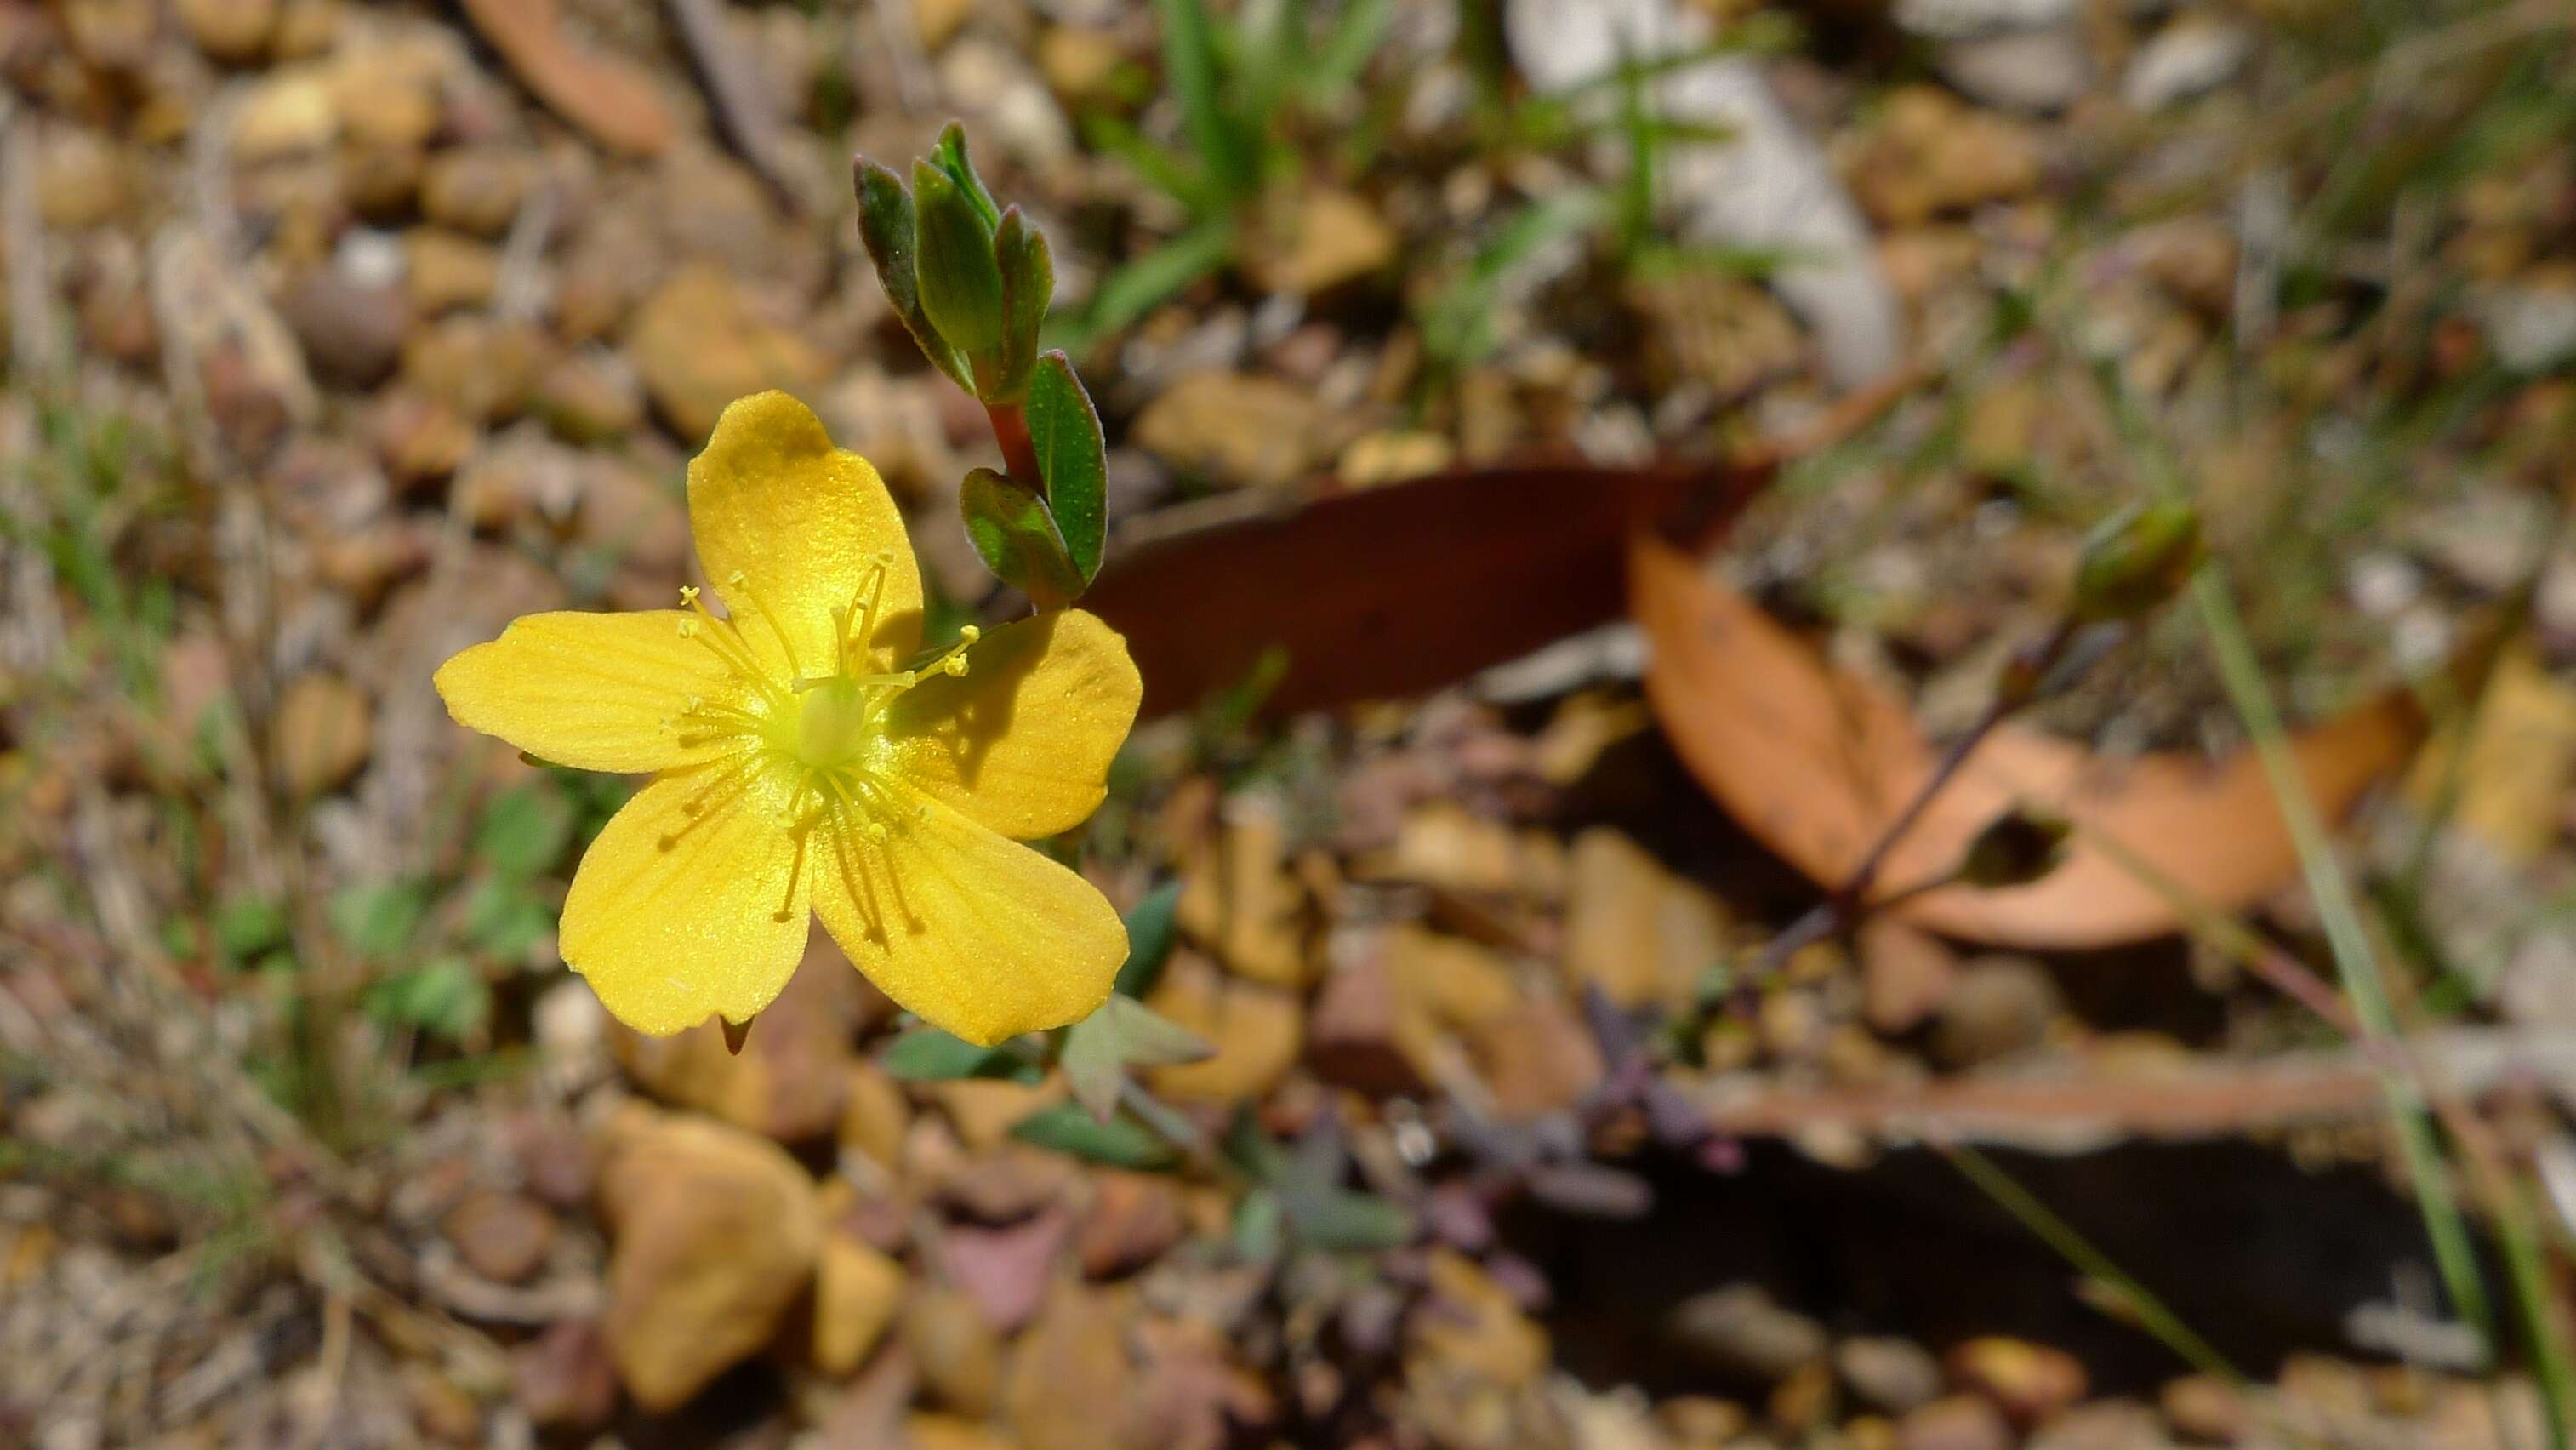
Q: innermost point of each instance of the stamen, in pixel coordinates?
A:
(804, 834)
(860, 620)
(731, 775)
(721, 636)
(950, 662)
(864, 893)
(740, 583)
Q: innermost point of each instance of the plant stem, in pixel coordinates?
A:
(1849, 902)
(1019, 454)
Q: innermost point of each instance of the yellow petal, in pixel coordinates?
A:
(684, 905)
(1022, 741)
(981, 936)
(593, 691)
(807, 525)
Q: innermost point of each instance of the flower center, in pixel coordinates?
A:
(833, 724)
(819, 723)
(810, 734)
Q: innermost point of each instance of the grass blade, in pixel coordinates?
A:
(1190, 66)
(2150, 1312)
(1145, 283)
(2355, 962)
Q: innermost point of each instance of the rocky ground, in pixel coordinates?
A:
(343, 333)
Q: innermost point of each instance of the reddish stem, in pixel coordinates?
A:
(1019, 454)
(1020, 461)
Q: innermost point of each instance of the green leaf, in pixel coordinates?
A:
(524, 831)
(1344, 1221)
(930, 1055)
(949, 154)
(1118, 1143)
(1012, 529)
(1123, 1033)
(1190, 67)
(2136, 559)
(1167, 169)
(1073, 460)
(1636, 197)
(1457, 322)
(888, 226)
(379, 918)
(960, 282)
(1250, 1150)
(1260, 1227)
(1139, 286)
(1346, 50)
(1152, 928)
(507, 919)
(1028, 286)
(249, 926)
(182, 937)
(444, 998)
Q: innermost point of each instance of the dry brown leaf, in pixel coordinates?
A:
(1389, 592)
(1816, 762)
(1380, 593)
(612, 100)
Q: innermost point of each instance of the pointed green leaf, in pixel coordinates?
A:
(1140, 286)
(888, 226)
(1092, 1068)
(1010, 526)
(1152, 927)
(1195, 73)
(930, 1055)
(1147, 1038)
(1340, 1220)
(961, 284)
(1124, 1033)
(1073, 459)
(1260, 1229)
(950, 155)
(1028, 285)
(1118, 1143)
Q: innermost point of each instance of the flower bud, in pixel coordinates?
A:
(2016, 848)
(960, 282)
(2135, 560)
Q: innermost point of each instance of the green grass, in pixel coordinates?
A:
(2149, 1312)
(2357, 963)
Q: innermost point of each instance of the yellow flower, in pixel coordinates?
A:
(799, 765)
